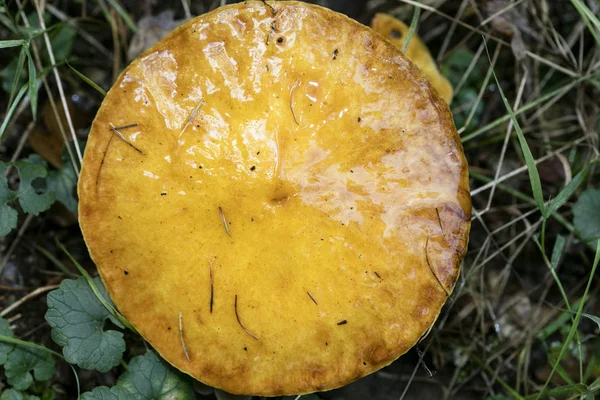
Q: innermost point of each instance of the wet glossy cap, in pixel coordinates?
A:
(276, 199)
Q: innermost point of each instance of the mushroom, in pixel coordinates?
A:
(396, 31)
(276, 198)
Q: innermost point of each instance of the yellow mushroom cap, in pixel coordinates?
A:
(276, 199)
(396, 31)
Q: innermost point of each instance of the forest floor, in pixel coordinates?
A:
(527, 296)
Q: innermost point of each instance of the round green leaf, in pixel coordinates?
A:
(586, 214)
(77, 319)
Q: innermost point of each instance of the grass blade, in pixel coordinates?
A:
(589, 18)
(17, 76)
(534, 177)
(573, 329)
(87, 80)
(10, 43)
(11, 110)
(526, 107)
(33, 87)
(123, 14)
(19, 342)
(568, 191)
(557, 251)
(412, 28)
(563, 391)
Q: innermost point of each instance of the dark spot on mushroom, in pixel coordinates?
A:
(258, 152)
(169, 328)
(118, 216)
(335, 54)
(395, 34)
(342, 322)
(245, 349)
(252, 219)
(280, 40)
(359, 119)
(326, 344)
(364, 363)
(199, 166)
(125, 271)
(163, 194)
(252, 168)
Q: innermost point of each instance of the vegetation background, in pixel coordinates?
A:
(523, 321)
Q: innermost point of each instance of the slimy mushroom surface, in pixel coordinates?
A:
(287, 195)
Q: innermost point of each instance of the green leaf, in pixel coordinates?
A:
(149, 377)
(8, 219)
(77, 319)
(18, 361)
(61, 183)
(21, 361)
(5, 348)
(586, 214)
(104, 393)
(11, 394)
(31, 201)
(593, 318)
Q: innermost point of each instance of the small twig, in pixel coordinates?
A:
(120, 136)
(224, 221)
(28, 296)
(212, 287)
(273, 11)
(192, 116)
(312, 298)
(431, 269)
(181, 337)
(120, 128)
(292, 101)
(240, 322)
(342, 322)
(439, 220)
